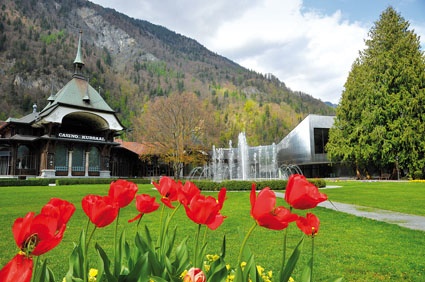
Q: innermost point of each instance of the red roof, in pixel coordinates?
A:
(137, 148)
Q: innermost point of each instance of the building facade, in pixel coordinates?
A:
(72, 136)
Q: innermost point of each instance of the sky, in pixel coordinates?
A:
(309, 45)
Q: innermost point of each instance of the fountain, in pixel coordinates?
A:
(244, 163)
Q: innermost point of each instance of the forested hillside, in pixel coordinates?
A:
(131, 62)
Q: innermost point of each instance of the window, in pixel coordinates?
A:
(321, 138)
(25, 160)
(94, 159)
(61, 158)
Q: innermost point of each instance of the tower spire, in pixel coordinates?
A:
(78, 62)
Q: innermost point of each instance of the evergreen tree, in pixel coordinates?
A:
(380, 121)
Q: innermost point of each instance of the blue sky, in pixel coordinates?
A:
(309, 45)
(369, 10)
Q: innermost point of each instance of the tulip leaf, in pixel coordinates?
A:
(292, 261)
(339, 279)
(77, 260)
(182, 260)
(218, 271)
(306, 274)
(157, 279)
(44, 273)
(140, 270)
(223, 247)
(106, 264)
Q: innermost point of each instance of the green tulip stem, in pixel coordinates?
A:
(171, 216)
(246, 240)
(285, 239)
(205, 236)
(161, 235)
(138, 223)
(196, 245)
(87, 228)
(115, 241)
(312, 257)
(89, 239)
(36, 269)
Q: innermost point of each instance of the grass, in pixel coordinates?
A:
(357, 248)
(405, 197)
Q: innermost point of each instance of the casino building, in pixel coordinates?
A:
(73, 136)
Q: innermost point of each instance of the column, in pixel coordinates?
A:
(70, 163)
(87, 164)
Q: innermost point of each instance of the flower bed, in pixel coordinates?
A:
(161, 259)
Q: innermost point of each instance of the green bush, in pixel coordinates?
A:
(244, 185)
(417, 174)
(64, 181)
(75, 181)
(205, 185)
(26, 182)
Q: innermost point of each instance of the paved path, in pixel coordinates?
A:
(405, 220)
(415, 222)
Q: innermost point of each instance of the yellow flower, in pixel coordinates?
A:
(243, 264)
(212, 257)
(183, 274)
(230, 278)
(291, 279)
(260, 269)
(270, 273)
(93, 272)
(228, 267)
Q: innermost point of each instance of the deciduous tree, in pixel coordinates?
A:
(182, 127)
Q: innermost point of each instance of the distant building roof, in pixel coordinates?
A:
(138, 148)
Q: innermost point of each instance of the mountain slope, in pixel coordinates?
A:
(131, 62)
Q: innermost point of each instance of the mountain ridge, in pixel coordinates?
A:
(131, 61)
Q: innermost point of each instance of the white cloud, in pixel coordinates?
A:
(309, 51)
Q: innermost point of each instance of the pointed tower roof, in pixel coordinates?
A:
(78, 62)
(77, 96)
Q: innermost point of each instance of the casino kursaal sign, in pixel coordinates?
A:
(81, 137)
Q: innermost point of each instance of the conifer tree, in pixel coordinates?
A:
(380, 121)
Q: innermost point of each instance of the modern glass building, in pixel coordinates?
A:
(304, 147)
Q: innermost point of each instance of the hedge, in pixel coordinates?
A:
(205, 185)
(64, 181)
(243, 185)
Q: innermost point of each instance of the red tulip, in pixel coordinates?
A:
(309, 224)
(206, 209)
(265, 212)
(169, 190)
(37, 234)
(60, 208)
(194, 275)
(145, 204)
(18, 269)
(301, 194)
(101, 211)
(122, 192)
(187, 192)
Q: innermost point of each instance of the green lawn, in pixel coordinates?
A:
(405, 197)
(358, 249)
